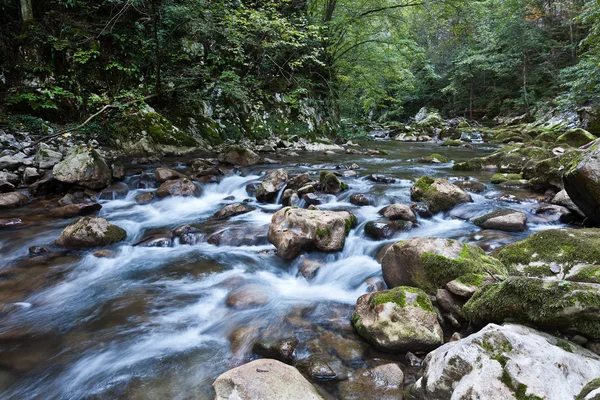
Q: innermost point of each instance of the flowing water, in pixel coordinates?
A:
(152, 322)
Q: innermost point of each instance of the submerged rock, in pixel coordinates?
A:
(434, 159)
(503, 220)
(178, 187)
(271, 185)
(397, 320)
(384, 382)
(430, 263)
(73, 210)
(247, 296)
(264, 379)
(439, 194)
(83, 167)
(90, 232)
(232, 210)
(294, 230)
(507, 362)
(117, 191)
(236, 155)
(240, 236)
(386, 229)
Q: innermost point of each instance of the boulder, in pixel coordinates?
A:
(6, 187)
(384, 382)
(12, 163)
(439, 194)
(113, 192)
(430, 263)
(281, 350)
(73, 210)
(48, 185)
(582, 183)
(144, 198)
(298, 181)
(264, 379)
(433, 159)
(12, 200)
(562, 199)
(503, 220)
(232, 210)
(398, 212)
(46, 158)
(83, 167)
(236, 155)
(163, 174)
(359, 199)
(553, 304)
(329, 183)
(9, 177)
(471, 186)
(507, 362)
(90, 232)
(381, 179)
(576, 137)
(271, 185)
(398, 320)
(30, 175)
(178, 187)
(294, 230)
(379, 230)
(118, 171)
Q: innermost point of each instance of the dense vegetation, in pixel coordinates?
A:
(258, 67)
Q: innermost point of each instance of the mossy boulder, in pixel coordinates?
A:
(548, 303)
(471, 186)
(582, 183)
(591, 391)
(398, 320)
(84, 167)
(439, 194)
(501, 178)
(452, 143)
(434, 159)
(548, 173)
(430, 263)
(509, 159)
(330, 183)
(576, 137)
(553, 253)
(90, 232)
(428, 118)
(503, 220)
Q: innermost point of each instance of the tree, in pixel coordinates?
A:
(26, 10)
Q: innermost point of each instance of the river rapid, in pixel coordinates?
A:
(152, 322)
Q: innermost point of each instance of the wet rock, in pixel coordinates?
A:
(359, 199)
(240, 236)
(155, 241)
(144, 198)
(264, 379)
(582, 183)
(38, 251)
(241, 340)
(433, 159)
(294, 230)
(10, 222)
(163, 174)
(329, 183)
(549, 213)
(271, 185)
(277, 349)
(311, 199)
(6, 187)
(12, 200)
(379, 230)
(247, 296)
(490, 365)
(298, 181)
(381, 179)
(177, 188)
(83, 167)
(187, 234)
(471, 186)
(310, 188)
(576, 137)
(422, 210)
(30, 175)
(439, 194)
(562, 199)
(503, 220)
(145, 182)
(398, 320)
(105, 253)
(290, 198)
(90, 232)
(385, 382)
(430, 263)
(46, 158)
(236, 155)
(232, 210)
(398, 212)
(375, 284)
(309, 268)
(118, 171)
(74, 210)
(48, 185)
(348, 350)
(113, 192)
(9, 177)
(317, 367)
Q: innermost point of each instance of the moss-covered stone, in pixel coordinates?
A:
(434, 158)
(592, 386)
(329, 183)
(576, 137)
(500, 178)
(452, 143)
(439, 194)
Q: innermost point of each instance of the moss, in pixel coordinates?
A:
(471, 279)
(475, 164)
(588, 273)
(238, 149)
(434, 158)
(398, 296)
(424, 182)
(500, 178)
(563, 344)
(452, 143)
(576, 137)
(323, 233)
(114, 234)
(589, 388)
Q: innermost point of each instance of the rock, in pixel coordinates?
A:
(232, 210)
(30, 175)
(83, 167)
(311, 199)
(118, 171)
(271, 185)
(379, 230)
(471, 186)
(48, 185)
(576, 137)
(298, 181)
(281, 350)
(163, 174)
(236, 155)
(46, 158)
(562, 199)
(12, 163)
(240, 236)
(90, 232)
(178, 187)
(156, 241)
(113, 192)
(562, 253)
(9, 177)
(13, 200)
(10, 222)
(105, 253)
(503, 220)
(329, 183)
(309, 268)
(466, 285)
(384, 382)
(186, 234)
(433, 159)
(571, 306)
(439, 194)
(359, 199)
(264, 379)
(507, 362)
(398, 320)
(582, 183)
(73, 210)
(430, 263)
(144, 198)
(398, 212)
(502, 178)
(381, 179)
(294, 230)
(6, 187)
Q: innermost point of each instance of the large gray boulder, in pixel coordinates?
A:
(294, 230)
(430, 263)
(398, 212)
(398, 320)
(264, 379)
(47, 158)
(90, 232)
(509, 362)
(271, 185)
(503, 220)
(439, 194)
(242, 156)
(83, 167)
(582, 182)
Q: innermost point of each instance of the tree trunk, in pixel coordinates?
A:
(26, 10)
